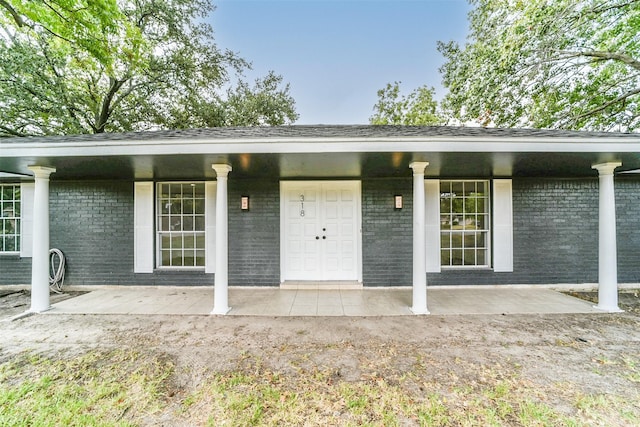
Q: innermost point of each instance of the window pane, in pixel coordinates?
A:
(10, 244)
(200, 258)
(445, 240)
(445, 257)
(471, 205)
(199, 226)
(187, 223)
(470, 257)
(189, 259)
(166, 258)
(165, 242)
(456, 240)
(481, 203)
(175, 223)
(189, 241)
(164, 191)
(481, 223)
(199, 191)
(165, 204)
(187, 207)
(175, 206)
(482, 257)
(445, 222)
(469, 240)
(445, 204)
(176, 242)
(456, 257)
(481, 240)
(457, 188)
(200, 241)
(164, 223)
(175, 190)
(199, 207)
(176, 258)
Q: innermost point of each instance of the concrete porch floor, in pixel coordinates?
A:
(320, 302)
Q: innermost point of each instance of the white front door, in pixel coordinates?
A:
(320, 230)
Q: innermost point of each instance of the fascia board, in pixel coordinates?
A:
(318, 145)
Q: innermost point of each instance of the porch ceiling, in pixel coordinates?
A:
(321, 152)
(322, 165)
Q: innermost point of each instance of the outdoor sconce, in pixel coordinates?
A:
(244, 203)
(397, 202)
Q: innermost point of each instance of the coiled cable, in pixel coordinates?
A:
(56, 274)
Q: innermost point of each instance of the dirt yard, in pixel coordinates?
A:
(424, 370)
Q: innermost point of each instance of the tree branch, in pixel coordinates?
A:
(105, 110)
(605, 8)
(605, 56)
(608, 104)
(14, 13)
(10, 131)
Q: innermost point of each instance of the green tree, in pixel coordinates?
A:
(69, 66)
(98, 26)
(570, 64)
(417, 108)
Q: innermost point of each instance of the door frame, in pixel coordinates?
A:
(283, 224)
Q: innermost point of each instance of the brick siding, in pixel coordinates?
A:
(387, 233)
(254, 235)
(555, 235)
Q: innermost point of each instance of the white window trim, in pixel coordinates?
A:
(19, 218)
(157, 231)
(489, 230)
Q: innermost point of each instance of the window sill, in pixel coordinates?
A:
(10, 255)
(466, 267)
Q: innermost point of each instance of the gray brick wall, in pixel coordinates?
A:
(15, 270)
(387, 233)
(555, 235)
(92, 223)
(254, 235)
(628, 227)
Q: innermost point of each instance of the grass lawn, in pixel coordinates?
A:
(127, 387)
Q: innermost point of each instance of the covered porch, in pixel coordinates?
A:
(220, 158)
(247, 301)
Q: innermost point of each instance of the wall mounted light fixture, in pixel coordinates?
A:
(244, 203)
(397, 201)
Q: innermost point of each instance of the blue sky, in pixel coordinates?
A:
(337, 54)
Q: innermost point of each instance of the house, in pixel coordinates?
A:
(355, 205)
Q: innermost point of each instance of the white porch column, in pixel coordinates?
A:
(40, 257)
(607, 250)
(419, 240)
(221, 280)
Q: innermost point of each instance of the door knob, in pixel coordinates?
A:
(317, 237)
(324, 237)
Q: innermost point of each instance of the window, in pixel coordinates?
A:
(9, 218)
(180, 224)
(464, 223)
